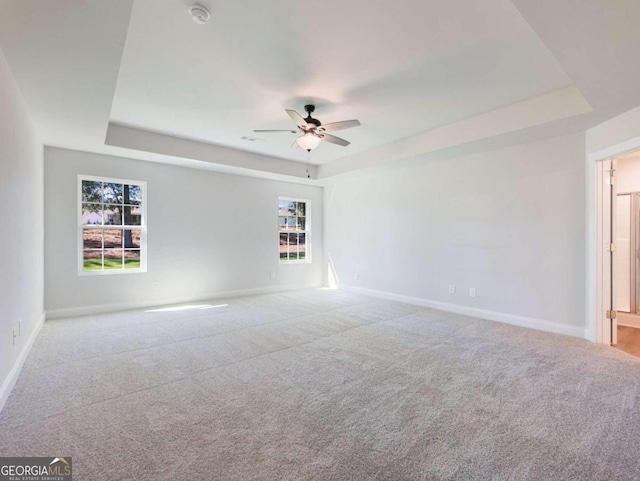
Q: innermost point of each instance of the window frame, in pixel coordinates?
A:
(81, 227)
(306, 231)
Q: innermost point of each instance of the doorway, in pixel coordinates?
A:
(624, 251)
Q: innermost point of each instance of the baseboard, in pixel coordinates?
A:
(628, 320)
(628, 325)
(520, 321)
(129, 306)
(12, 377)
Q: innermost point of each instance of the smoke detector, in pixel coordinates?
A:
(199, 14)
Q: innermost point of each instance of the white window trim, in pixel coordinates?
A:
(307, 231)
(142, 227)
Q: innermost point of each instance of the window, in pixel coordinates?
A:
(112, 229)
(294, 230)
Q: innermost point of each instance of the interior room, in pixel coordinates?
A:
(627, 247)
(282, 240)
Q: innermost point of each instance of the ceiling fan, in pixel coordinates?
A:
(313, 132)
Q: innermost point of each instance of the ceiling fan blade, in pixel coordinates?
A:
(297, 118)
(344, 124)
(292, 131)
(334, 140)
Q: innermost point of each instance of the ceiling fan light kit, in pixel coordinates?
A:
(313, 132)
(308, 141)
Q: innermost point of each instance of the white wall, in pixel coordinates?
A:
(208, 234)
(21, 214)
(510, 223)
(628, 173)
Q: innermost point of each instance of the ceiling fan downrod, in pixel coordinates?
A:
(310, 120)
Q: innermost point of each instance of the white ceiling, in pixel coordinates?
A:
(399, 70)
(141, 79)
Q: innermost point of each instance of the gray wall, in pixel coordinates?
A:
(208, 233)
(510, 223)
(21, 214)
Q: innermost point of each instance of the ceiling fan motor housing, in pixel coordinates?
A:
(310, 120)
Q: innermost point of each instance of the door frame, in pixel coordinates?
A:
(605, 300)
(634, 238)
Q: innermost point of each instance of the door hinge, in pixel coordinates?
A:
(611, 314)
(611, 177)
(611, 247)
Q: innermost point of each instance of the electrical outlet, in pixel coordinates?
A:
(272, 275)
(452, 289)
(472, 292)
(155, 286)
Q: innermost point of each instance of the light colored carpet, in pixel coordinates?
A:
(323, 385)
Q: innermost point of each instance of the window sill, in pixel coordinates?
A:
(114, 272)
